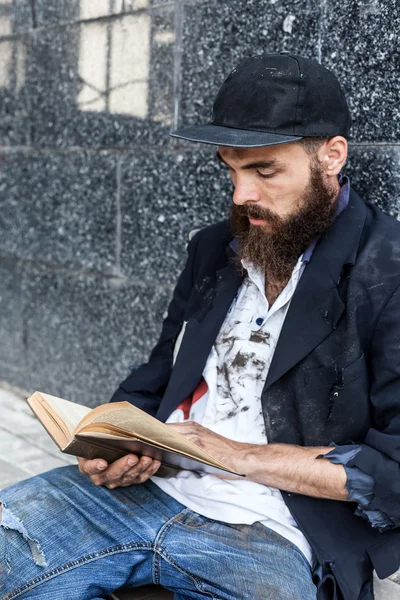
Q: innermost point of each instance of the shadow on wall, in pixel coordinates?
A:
(90, 69)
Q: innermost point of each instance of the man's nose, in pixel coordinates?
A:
(245, 191)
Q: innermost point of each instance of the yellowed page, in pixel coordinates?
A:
(70, 412)
(50, 420)
(112, 432)
(133, 421)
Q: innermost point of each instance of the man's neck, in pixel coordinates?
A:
(273, 289)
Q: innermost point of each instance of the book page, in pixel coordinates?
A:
(103, 431)
(70, 412)
(133, 421)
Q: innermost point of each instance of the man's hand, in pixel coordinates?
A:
(226, 451)
(125, 471)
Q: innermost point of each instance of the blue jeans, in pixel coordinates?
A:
(63, 538)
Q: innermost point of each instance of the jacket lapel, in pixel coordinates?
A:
(198, 339)
(316, 306)
(315, 309)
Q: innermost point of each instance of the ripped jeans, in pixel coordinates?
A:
(63, 538)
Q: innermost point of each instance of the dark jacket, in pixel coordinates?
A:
(334, 377)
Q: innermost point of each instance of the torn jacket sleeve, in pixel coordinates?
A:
(360, 486)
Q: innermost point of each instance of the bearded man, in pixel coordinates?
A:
(280, 357)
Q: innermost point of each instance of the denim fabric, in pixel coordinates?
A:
(62, 538)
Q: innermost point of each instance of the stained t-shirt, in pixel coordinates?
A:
(228, 401)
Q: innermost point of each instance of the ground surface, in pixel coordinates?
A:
(26, 450)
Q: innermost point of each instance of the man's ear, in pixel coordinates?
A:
(333, 155)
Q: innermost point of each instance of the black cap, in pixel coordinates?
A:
(274, 99)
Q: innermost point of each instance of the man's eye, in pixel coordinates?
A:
(266, 176)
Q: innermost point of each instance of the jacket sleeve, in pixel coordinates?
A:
(146, 384)
(373, 466)
(360, 485)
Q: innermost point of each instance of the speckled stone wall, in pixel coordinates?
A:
(96, 201)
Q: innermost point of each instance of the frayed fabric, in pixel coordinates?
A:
(360, 485)
(12, 523)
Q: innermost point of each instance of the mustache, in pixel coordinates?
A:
(253, 211)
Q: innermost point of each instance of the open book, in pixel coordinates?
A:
(113, 430)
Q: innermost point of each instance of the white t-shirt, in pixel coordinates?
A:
(228, 401)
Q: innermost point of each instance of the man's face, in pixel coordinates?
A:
(282, 201)
(271, 177)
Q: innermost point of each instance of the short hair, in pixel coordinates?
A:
(312, 144)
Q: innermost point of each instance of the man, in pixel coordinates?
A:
(280, 356)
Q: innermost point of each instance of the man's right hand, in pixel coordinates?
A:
(125, 471)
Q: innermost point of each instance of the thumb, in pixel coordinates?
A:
(93, 466)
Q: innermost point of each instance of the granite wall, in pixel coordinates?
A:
(96, 200)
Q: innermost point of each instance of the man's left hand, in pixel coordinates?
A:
(226, 451)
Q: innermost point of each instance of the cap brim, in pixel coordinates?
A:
(228, 136)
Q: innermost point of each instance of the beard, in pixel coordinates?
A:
(275, 249)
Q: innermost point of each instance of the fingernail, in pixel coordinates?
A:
(101, 465)
(132, 462)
